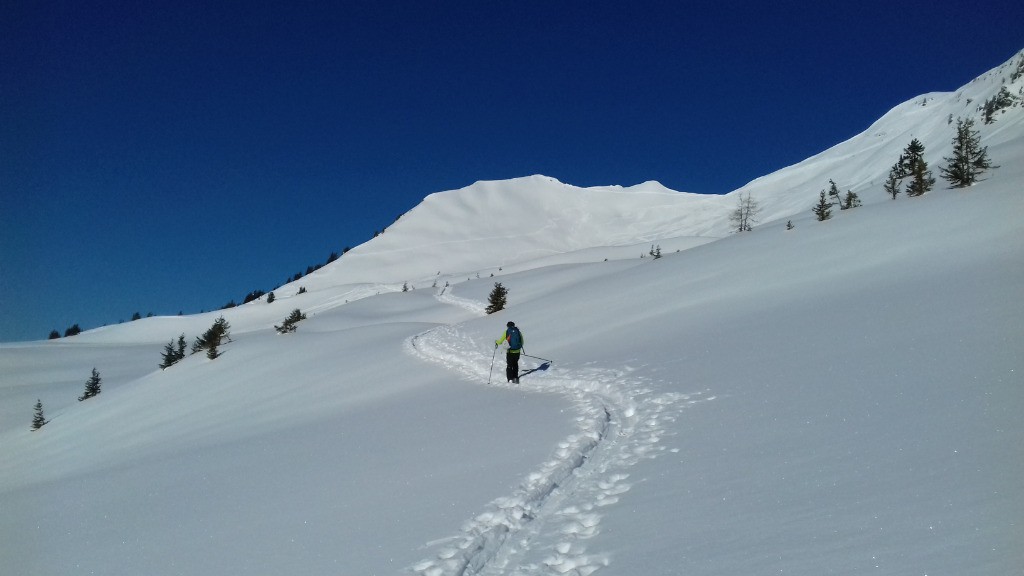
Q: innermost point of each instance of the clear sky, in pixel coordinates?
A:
(165, 157)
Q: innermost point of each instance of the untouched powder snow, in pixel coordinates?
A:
(839, 398)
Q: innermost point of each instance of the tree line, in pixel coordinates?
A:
(910, 174)
(963, 169)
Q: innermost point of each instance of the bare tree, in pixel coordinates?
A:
(744, 216)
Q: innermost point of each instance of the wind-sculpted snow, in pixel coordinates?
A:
(542, 527)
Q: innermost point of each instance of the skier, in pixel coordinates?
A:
(515, 345)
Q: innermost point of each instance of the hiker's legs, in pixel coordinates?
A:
(512, 367)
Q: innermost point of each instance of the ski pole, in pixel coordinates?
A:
(537, 357)
(493, 354)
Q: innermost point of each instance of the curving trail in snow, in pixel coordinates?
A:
(542, 527)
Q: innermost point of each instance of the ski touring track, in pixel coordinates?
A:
(542, 527)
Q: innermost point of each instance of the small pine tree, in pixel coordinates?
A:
(92, 386)
(38, 421)
(851, 200)
(912, 154)
(271, 298)
(823, 209)
(74, 330)
(833, 194)
(289, 323)
(54, 335)
(173, 353)
(199, 344)
(405, 286)
(921, 180)
(1004, 99)
(892, 182)
(497, 298)
(220, 330)
(254, 295)
(970, 158)
(211, 351)
(169, 357)
(789, 225)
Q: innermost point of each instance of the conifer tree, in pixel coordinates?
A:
(913, 165)
(893, 181)
(497, 298)
(38, 421)
(173, 352)
(92, 386)
(211, 350)
(1004, 99)
(223, 329)
(289, 323)
(200, 343)
(220, 330)
(823, 209)
(271, 298)
(169, 357)
(833, 193)
(921, 180)
(970, 158)
(851, 200)
(54, 335)
(912, 154)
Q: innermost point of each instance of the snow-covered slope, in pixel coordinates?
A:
(843, 397)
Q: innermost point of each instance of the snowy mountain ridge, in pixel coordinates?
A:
(498, 224)
(862, 162)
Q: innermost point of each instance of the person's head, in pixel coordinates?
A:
(510, 324)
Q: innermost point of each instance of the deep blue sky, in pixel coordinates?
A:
(164, 157)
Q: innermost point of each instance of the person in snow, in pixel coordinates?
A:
(514, 338)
